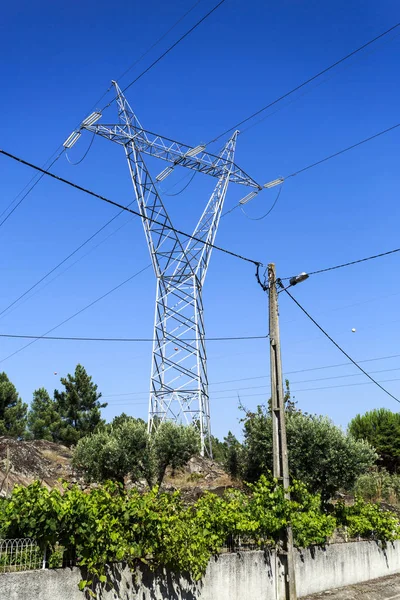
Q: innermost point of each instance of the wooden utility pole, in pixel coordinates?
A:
(280, 454)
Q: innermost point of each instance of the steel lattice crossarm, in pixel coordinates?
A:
(176, 153)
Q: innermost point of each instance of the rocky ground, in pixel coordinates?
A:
(22, 462)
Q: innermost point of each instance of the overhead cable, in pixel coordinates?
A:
(168, 50)
(349, 264)
(301, 85)
(93, 107)
(34, 184)
(127, 209)
(340, 348)
(77, 313)
(364, 141)
(109, 339)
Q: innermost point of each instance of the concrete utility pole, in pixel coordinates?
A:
(280, 454)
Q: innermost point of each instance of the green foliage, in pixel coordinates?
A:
(320, 454)
(378, 484)
(115, 452)
(78, 406)
(43, 418)
(12, 409)
(126, 449)
(368, 520)
(381, 428)
(173, 445)
(233, 460)
(108, 524)
(218, 450)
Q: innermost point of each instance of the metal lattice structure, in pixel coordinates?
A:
(178, 384)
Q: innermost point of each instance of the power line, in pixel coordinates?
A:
(101, 97)
(340, 348)
(263, 394)
(155, 62)
(286, 374)
(348, 264)
(312, 165)
(77, 313)
(126, 208)
(34, 184)
(372, 137)
(298, 87)
(62, 272)
(110, 339)
(64, 260)
(254, 387)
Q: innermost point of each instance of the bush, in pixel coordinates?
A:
(368, 521)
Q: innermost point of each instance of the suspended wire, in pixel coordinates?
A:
(308, 91)
(192, 176)
(372, 137)
(34, 184)
(77, 313)
(268, 212)
(340, 348)
(319, 162)
(301, 85)
(64, 260)
(74, 164)
(110, 339)
(263, 394)
(67, 268)
(349, 264)
(93, 107)
(127, 209)
(255, 387)
(141, 57)
(155, 62)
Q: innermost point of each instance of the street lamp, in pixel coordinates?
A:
(298, 278)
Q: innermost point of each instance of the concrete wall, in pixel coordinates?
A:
(249, 576)
(344, 564)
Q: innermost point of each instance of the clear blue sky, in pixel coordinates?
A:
(58, 59)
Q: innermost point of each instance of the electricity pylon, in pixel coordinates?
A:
(178, 383)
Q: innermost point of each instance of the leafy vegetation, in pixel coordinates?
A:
(368, 520)
(108, 524)
(125, 448)
(378, 485)
(78, 406)
(320, 454)
(12, 410)
(381, 428)
(43, 418)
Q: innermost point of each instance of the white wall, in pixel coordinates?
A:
(249, 576)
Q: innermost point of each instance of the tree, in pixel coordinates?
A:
(43, 419)
(12, 409)
(381, 428)
(113, 453)
(321, 455)
(126, 449)
(173, 445)
(78, 406)
(233, 461)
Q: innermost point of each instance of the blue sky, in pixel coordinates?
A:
(60, 60)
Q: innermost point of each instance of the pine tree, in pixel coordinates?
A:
(12, 409)
(43, 418)
(78, 406)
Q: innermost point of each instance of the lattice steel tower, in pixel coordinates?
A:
(178, 384)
